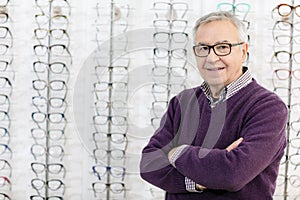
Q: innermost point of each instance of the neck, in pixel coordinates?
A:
(215, 91)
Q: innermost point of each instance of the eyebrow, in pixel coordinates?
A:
(203, 43)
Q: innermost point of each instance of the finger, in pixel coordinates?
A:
(234, 145)
(239, 141)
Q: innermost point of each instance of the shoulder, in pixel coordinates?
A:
(255, 92)
(264, 95)
(259, 99)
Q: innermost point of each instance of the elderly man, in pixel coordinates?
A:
(223, 139)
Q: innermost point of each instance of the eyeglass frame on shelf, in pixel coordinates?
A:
(46, 167)
(292, 8)
(291, 73)
(109, 170)
(108, 153)
(108, 187)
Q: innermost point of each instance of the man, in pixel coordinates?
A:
(224, 139)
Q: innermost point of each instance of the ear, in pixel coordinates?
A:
(244, 51)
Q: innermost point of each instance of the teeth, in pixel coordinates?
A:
(216, 69)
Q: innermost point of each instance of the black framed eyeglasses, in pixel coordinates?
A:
(115, 171)
(220, 49)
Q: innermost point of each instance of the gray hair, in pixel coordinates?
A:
(222, 15)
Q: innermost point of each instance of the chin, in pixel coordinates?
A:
(215, 83)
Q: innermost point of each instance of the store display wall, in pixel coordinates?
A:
(83, 85)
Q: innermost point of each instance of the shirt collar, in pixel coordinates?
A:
(229, 90)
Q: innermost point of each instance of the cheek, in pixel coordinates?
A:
(200, 62)
(200, 66)
(232, 61)
(241, 57)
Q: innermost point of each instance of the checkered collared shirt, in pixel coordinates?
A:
(229, 90)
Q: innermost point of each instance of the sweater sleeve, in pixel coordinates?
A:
(264, 141)
(155, 166)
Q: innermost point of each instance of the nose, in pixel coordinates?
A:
(212, 56)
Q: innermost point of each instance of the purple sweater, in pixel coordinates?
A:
(247, 172)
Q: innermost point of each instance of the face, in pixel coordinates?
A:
(219, 71)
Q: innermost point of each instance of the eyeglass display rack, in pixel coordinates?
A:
(7, 76)
(283, 65)
(169, 70)
(110, 97)
(52, 61)
(50, 64)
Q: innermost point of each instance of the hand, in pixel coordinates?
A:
(199, 187)
(234, 145)
(171, 152)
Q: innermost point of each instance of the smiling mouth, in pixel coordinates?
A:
(216, 69)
